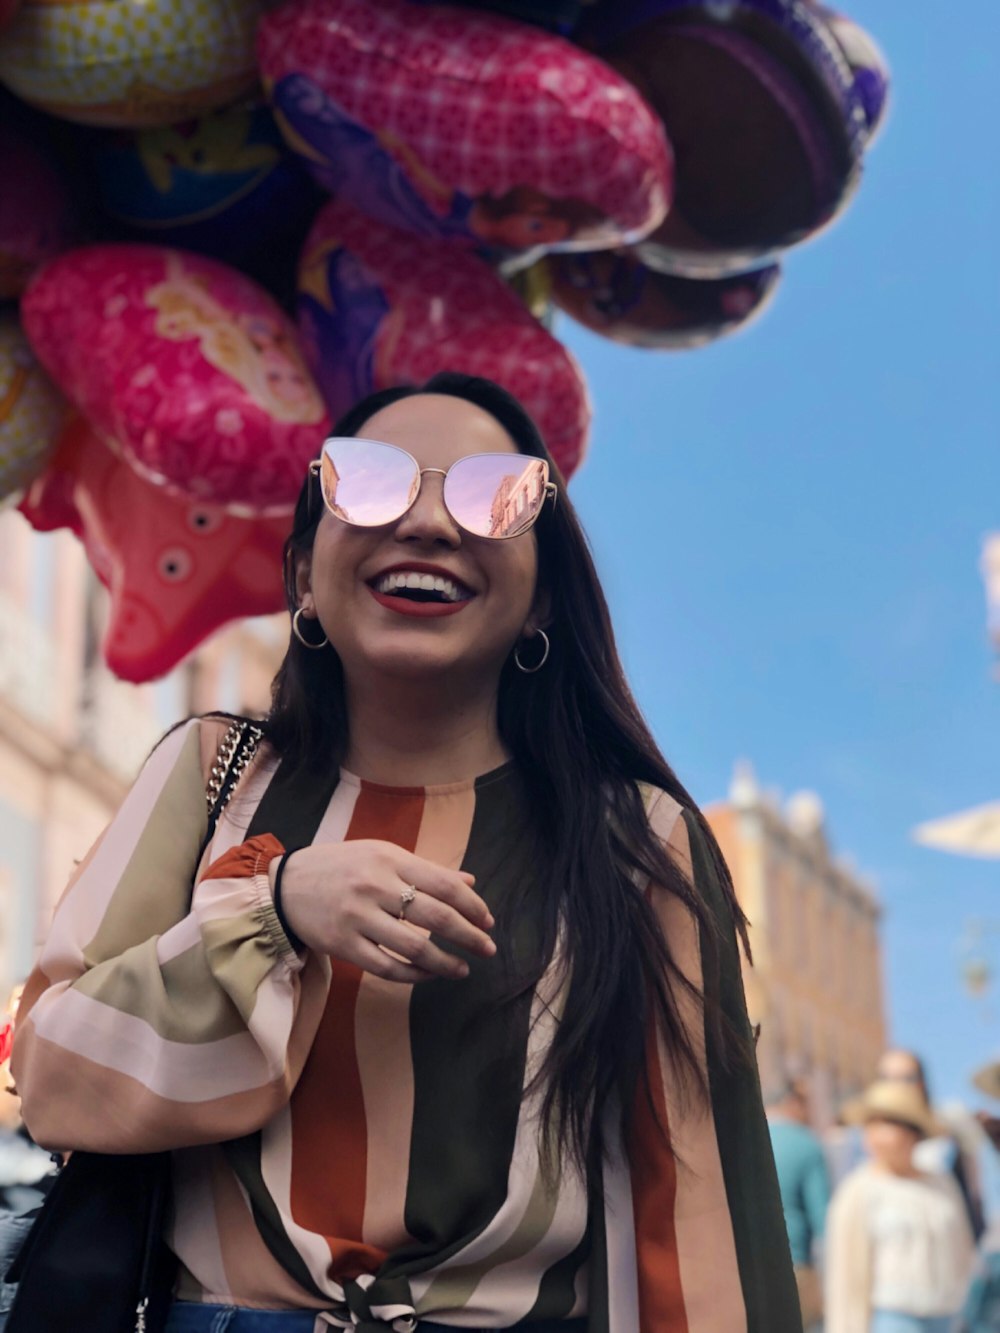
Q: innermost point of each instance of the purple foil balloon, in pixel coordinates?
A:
(761, 105)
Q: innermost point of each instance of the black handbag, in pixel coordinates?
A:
(95, 1259)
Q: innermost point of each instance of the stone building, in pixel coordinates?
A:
(816, 984)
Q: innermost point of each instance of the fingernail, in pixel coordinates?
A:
(490, 947)
(490, 920)
(463, 971)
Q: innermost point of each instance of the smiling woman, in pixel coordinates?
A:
(452, 1032)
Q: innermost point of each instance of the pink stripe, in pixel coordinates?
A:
(195, 1232)
(172, 1070)
(706, 1246)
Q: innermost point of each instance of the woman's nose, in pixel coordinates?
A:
(428, 519)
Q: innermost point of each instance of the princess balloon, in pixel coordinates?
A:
(192, 367)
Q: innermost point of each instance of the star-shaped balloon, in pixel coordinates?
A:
(176, 569)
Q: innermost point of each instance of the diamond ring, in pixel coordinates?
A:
(405, 898)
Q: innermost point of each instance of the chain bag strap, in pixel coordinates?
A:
(236, 751)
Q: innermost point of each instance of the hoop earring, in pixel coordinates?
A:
(297, 631)
(530, 670)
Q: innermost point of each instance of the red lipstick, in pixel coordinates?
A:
(404, 607)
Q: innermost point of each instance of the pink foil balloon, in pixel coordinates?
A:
(176, 569)
(379, 308)
(469, 127)
(189, 364)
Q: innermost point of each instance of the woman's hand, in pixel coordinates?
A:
(343, 899)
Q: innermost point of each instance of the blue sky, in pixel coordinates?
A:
(789, 522)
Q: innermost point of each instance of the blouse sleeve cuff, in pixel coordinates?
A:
(244, 869)
(266, 913)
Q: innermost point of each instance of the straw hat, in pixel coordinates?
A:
(987, 1079)
(891, 1100)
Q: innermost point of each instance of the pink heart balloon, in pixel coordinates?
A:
(189, 364)
(379, 308)
(176, 569)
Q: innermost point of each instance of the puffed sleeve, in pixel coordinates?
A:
(711, 1245)
(155, 1018)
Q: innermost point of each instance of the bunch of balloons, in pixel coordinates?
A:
(222, 222)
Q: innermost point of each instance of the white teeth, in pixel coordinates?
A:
(450, 590)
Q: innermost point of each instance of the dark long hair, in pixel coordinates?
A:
(581, 745)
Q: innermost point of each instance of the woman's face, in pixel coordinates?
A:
(891, 1145)
(496, 579)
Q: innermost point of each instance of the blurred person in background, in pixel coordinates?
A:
(945, 1151)
(804, 1182)
(25, 1169)
(23, 1165)
(981, 1312)
(899, 1250)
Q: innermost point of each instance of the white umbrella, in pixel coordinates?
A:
(974, 833)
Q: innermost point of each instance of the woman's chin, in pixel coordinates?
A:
(420, 662)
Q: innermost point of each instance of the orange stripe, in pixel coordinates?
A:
(654, 1194)
(383, 1036)
(246, 858)
(329, 1130)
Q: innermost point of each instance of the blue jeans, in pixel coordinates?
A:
(892, 1321)
(193, 1317)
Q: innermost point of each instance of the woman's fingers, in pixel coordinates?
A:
(372, 959)
(444, 921)
(344, 900)
(418, 949)
(453, 887)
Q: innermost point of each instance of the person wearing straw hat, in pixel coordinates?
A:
(900, 1249)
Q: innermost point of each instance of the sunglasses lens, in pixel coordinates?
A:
(367, 483)
(496, 495)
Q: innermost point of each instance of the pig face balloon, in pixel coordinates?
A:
(176, 569)
(378, 308)
(190, 365)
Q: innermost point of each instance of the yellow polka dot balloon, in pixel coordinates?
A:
(130, 62)
(31, 411)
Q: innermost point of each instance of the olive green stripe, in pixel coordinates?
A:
(240, 955)
(557, 1288)
(180, 1000)
(154, 890)
(453, 1288)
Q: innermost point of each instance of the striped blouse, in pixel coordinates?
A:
(365, 1148)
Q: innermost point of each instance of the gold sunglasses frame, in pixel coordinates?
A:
(550, 489)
